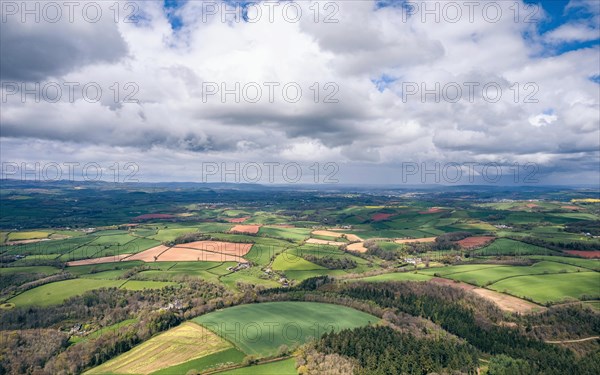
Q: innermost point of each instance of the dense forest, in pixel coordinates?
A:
(382, 350)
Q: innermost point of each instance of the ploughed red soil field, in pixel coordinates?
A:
(594, 254)
(109, 259)
(154, 216)
(180, 254)
(251, 229)
(531, 205)
(432, 210)
(149, 255)
(231, 248)
(570, 207)
(206, 251)
(237, 219)
(380, 217)
(475, 242)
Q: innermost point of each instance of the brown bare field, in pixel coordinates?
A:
(506, 302)
(324, 242)
(411, 240)
(475, 242)
(380, 217)
(336, 233)
(432, 210)
(205, 251)
(328, 233)
(237, 219)
(251, 229)
(594, 254)
(149, 255)
(230, 248)
(531, 205)
(353, 237)
(357, 246)
(180, 254)
(109, 259)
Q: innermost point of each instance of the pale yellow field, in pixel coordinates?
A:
(357, 246)
(181, 344)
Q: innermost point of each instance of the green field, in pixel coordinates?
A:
(210, 271)
(295, 234)
(290, 262)
(505, 247)
(252, 276)
(552, 288)
(303, 275)
(226, 357)
(490, 275)
(141, 285)
(56, 292)
(164, 235)
(45, 270)
(285, 367)
(94, 268)
(17, 236)
(449, 270)
(262, 328)
(397, 276)
(592, 264)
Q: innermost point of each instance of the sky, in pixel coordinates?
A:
(349, 92)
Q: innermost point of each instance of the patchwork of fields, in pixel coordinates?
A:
(525, 257)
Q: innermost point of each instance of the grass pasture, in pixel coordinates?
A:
(223, 358)
(55, 293)
(552, 288)
(176, 346)
(449, 270)
(285, 367)
(261, 328)
(252, 276)
(397, 276)
(508, 247)
(143, 284)
(591, 264)
(289, 262)
(491, 275)
(45, 270)
(294, 234)
(19, 236)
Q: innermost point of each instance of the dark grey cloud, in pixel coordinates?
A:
(33, 51)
